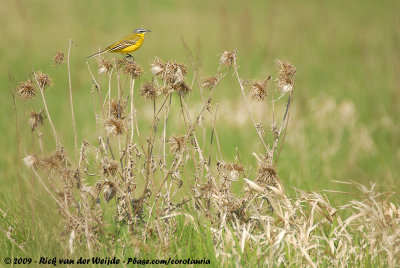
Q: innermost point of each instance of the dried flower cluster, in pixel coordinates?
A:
(36, 119)
(43, 79)
(154, 189)
(105, 66)
(286, 72)
(59, 59)
(26, 90)
(132, 68)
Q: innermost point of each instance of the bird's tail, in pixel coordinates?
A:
(96, 54)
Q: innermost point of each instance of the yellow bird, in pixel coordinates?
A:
(127, 44)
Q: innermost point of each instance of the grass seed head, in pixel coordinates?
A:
(59, 59)
(43, 79)
(26, 90)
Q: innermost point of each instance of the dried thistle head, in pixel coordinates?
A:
(258, 89)
(177, 144)
(157, 67)
(105, 66)
(133, 69)
(182, 88)
(114, 126)
(43, 79)
(109, 191)
(210, 82)
(286, 72)
(59, 59)
(108, 167)
(227, 59)
(149, 91)
(118, 108)
(31, 160)
(26, 90)
(267, 176)
(36, 119)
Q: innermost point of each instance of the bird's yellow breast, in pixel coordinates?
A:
(134, 47)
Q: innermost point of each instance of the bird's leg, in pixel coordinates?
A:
(130, 57)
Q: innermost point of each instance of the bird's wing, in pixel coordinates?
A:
(126, 41)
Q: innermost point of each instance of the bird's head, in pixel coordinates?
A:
(141, 31)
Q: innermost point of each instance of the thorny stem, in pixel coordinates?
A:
(71, 100)
(246, 103)
(285, 117)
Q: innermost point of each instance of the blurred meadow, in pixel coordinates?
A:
(345, 119)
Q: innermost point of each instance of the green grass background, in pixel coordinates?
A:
(344, 51)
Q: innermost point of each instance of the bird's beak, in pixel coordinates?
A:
(147, 31)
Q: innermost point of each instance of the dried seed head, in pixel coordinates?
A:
(26, 90)
(166, 90)
(149, 91)
(157, 66)
(183, 88)
(105, 66)
(259, 90)
(114, 126)
(286, 72)
(228, 58)
(177, 144)
(108, 167)
(109, 191)
(118, 108)
(36, 119)
(31, 160)
(59, 59)
(267, 176)
(133, 69)
(43, 79)
(210, 82)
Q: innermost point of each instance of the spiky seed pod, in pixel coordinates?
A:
(210, 82)
(286, 72)
(133, 69)
(108, 167)
(148, 91)
(59, 59)
(36, 119)
(109, 191)
(114, 126)
(227, 59)
(177, 144)
(267, 176)
(31, 160)
(26, 90)
(157, 67)
(258, 90)
(118, 108)
(105, 66)
(182, 88)
(43, 79)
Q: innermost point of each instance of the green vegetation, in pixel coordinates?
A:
(344, 118)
